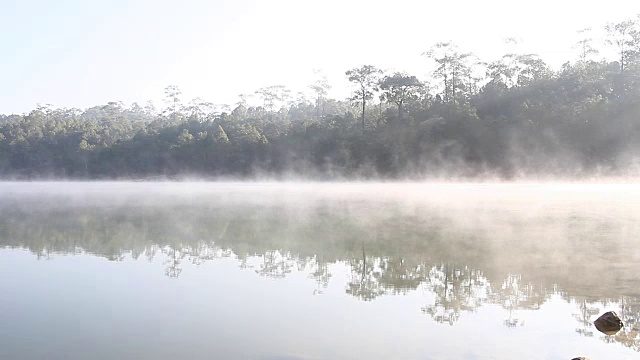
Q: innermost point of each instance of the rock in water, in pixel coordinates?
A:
(609, 323)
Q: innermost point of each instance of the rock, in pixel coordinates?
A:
(580, 358)
(609, 323)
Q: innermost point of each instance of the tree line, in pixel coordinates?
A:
(508, 118)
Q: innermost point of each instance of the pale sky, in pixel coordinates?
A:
(81, 53)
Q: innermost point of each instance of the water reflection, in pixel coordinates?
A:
(450, 290)
(629, 335)
(500, 256)
(455, 290)
(319, 271)
(587, 311)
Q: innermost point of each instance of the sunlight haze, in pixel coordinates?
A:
(291, 179)
(79, 54)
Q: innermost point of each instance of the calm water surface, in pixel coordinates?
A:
(317, 271)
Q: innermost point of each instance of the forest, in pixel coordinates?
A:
(514, 117)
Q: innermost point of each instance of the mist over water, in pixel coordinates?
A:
(317, 270)
(380, 190)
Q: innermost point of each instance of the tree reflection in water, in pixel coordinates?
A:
(390, 249)
(319, 271)
(629, 313)
(513, 295)
(365, 278)
(452, 289)
(587, 312)
(456, 290)
(276, 264)
(175, 257)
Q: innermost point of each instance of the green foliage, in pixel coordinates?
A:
(511, 117)
(366, 80)
(399, 88)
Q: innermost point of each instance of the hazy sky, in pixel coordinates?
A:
(79, 53)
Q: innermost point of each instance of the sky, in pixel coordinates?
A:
(78, 53)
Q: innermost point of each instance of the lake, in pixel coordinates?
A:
(133, 270)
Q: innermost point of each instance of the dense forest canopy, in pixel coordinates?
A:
(509, 118)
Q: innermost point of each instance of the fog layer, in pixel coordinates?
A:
(549, 233)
